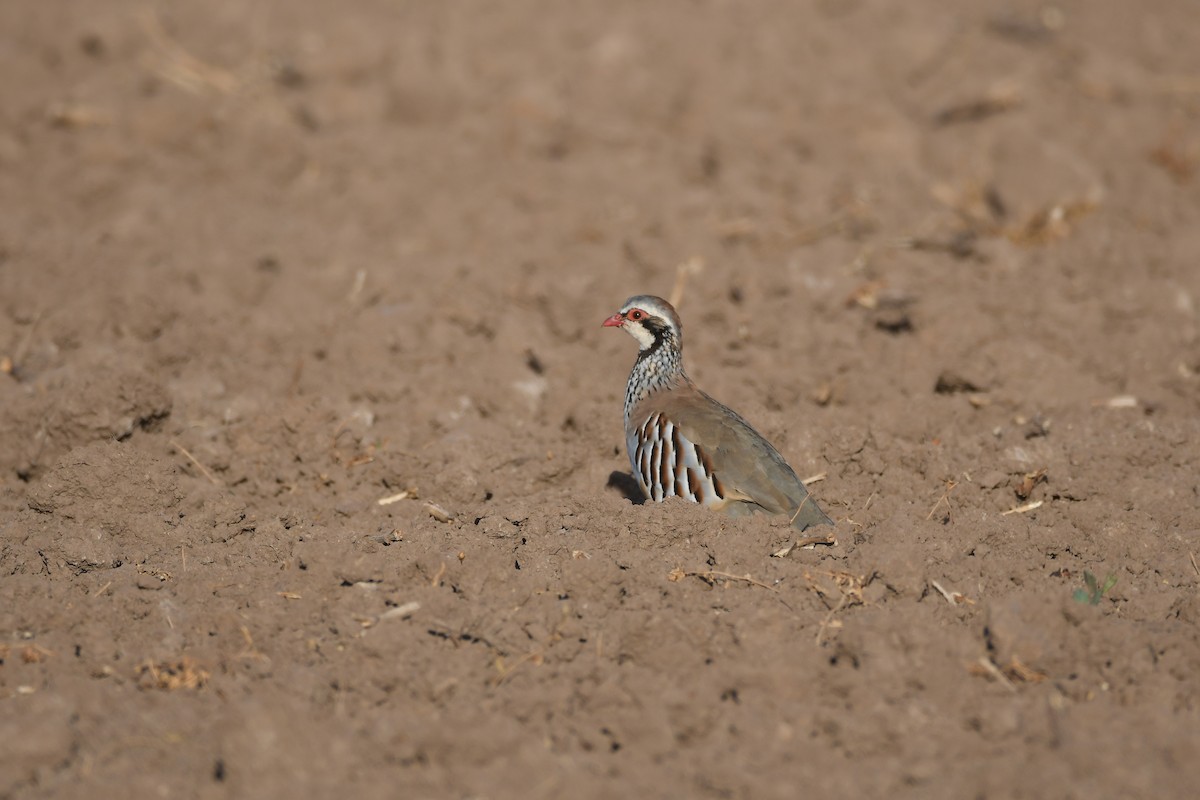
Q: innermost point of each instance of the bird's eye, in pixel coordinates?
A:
(635, 314)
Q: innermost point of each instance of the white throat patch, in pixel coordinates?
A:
(645, 338)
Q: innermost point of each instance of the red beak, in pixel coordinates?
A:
(615, 321)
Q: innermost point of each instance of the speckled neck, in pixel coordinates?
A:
(658, 367)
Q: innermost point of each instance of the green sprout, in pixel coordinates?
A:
(1094, 591)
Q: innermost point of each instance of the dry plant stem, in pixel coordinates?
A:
(994, 103)
(183, 68)
(806, 541)
(505, 670)
(949, 597)
(828, 621)
(250, 651)
(1023, 509)
(690, 267)
(800, 508)
(945, 498)
(395, 498)
(850, 589)
(360, 281)
(1019, 670)
(194, 460)
(401, 612)
(996, 673)
(711, 576)
(953, 598)
(26, 341)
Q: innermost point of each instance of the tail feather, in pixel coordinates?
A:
(809, 514)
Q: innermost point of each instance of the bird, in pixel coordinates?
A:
(683, 443)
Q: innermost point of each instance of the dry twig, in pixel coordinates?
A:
(850, 593)
(711, 577)
(945, 498)
(213, 478)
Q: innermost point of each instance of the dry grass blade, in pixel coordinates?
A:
(849, 590)
(213, 478)
(396, 498)
(985, 667)
(945, 498)
(1050, 224)
(997, 101)
(846, 584)
(808, 499)
(693, 266)
(1023, 509)
(401, 612)
(1018, 670)
(712, 577)
(537, 658)
(1120, 401)
(181, 67)
(12, 366)
(250, 651)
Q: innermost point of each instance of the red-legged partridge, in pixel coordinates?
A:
(683, 443)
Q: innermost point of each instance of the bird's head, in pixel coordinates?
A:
(651, 320)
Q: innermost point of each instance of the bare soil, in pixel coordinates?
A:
(312, 478)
